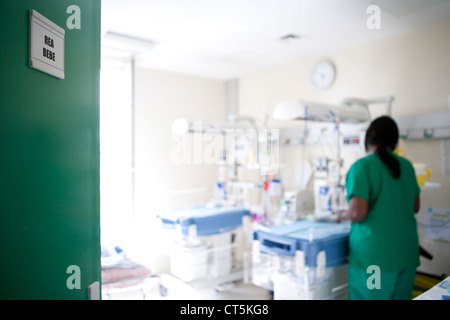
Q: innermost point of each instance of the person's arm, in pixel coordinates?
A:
(357, 212)
(417, 204)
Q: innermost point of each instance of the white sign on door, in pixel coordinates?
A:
(46, 45)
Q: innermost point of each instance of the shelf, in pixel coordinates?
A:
(430, 125)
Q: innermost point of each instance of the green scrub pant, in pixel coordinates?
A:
(393, 285)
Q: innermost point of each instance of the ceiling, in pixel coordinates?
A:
(225, 39)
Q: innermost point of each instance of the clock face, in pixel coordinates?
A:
(323, 74)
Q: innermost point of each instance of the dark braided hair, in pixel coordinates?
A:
(383, 133)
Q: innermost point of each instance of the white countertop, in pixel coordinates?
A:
(436, 292)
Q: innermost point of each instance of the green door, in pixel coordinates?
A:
(49, 156)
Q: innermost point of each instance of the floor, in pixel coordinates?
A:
(238, 291)
(175, 289)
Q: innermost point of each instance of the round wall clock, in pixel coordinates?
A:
(323, 75)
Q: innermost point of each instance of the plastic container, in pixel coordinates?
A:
(333, 286)
(422, 173)
(189, 263)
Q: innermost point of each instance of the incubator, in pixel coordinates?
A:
(304, 260)
(207, 242)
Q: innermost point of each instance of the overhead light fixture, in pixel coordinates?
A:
(355, 102)
(352, 110)
(125, 43)
(312, 111)
(293, 38)
(290, 36)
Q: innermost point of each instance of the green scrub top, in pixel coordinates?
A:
(387, 237)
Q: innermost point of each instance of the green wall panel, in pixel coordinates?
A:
(49, 156)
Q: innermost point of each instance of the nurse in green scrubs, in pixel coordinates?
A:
(383, 197)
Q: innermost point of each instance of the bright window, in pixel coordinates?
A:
(115, 151)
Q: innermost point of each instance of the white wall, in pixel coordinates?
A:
(160, 98)
(414, 67)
